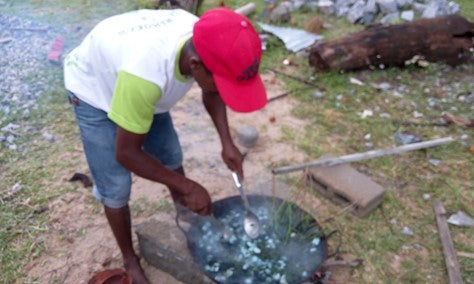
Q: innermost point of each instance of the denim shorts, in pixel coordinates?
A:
(112, 182)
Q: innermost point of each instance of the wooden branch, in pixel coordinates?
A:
(304, 81)
(448, 249)
(326, 162)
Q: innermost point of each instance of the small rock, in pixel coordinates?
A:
(419, 7)
(417, 246)
(12, 147)
(434, 162)
(407, 231)
(10, 138)
(17, 187)
(417, 114)
(367, 136)
(357, 11)
(404, 3)
(326, 7)
(318, 95)
(408, 15)
(391, 18)
(385, 115)
(355, 81)
(426, 196)
(388, 6)
(2, 138)
(406, 138)
(9, 127)
(247, 135)
(367, 113)
(48, 136)
(339, 97)
(282, 13)
(369, 144)
(384, 86)
(393, 221)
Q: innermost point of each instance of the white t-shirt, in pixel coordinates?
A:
(130, 62)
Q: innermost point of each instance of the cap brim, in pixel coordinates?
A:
(243, 96)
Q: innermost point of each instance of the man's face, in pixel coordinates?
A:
(204, 78)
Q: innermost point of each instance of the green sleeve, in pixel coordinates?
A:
(133, 103)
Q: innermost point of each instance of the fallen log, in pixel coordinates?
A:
(447, 39)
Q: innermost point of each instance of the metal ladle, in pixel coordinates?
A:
(251, 222)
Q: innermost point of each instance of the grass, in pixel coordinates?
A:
(333, 126)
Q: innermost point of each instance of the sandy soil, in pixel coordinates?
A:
(80, 242)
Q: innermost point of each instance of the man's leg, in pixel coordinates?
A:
(120, 223)
(112, 181)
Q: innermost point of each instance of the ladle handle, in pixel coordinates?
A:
(240, 187)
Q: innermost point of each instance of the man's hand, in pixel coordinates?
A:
(233, 159)
(196, 198)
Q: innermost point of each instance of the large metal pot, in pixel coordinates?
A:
(290, 249)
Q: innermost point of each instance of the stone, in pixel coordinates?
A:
(453, 8)
(17, 187)
(388, 6)
(367, 19)
(407, 231)
(404, 3)
(282, 13)
(371, 7)
(390, 19)
(343, 7)
(164, 246)
(357, 11)
(48, 136)
(346, 186)
(318, 95)
(247, 135)
(433, 9)
(419, 7)
(10, 138)
(312, 6)
(327, 7)
(298, 4)
(408, 15)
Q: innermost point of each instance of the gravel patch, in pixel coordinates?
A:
(24, 63)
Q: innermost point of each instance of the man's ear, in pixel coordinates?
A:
(195, 63)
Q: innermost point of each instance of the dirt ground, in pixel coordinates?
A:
(80, 242)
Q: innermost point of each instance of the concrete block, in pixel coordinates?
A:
(164, 246)
(345, 185)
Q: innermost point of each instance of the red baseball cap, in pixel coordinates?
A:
(230, 48)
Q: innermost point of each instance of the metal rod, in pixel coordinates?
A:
(326, 162)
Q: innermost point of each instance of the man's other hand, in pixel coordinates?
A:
(197, 199)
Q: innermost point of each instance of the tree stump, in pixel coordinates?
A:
(447, 39)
